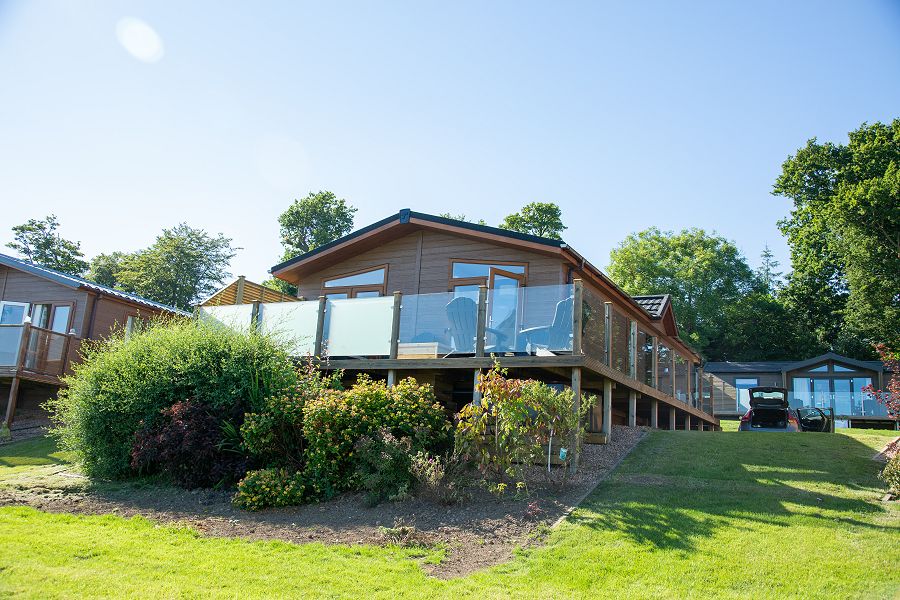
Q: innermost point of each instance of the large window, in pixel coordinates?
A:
(741, 392)
(367, 283)
(461, 269)
(644, 357)
(681, 378)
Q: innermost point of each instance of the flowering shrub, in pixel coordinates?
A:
(336, 420)
(891, 474)
(274, 435)
(271, 488)
(515, 418)
(186, 444)
(383, 464)
(442, 480)
(890, 396)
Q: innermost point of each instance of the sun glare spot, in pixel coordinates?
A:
(139, 39)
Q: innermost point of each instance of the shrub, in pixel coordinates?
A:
(383, 463)
(274, 435)
(891, 474)
(507, 429)
(442, 480)
(271, 488)
(336, 420)
(123, 385)
(187, 445)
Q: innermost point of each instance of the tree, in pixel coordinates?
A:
(769, 279)
(183, 266)
(314, 221)
(703, 273)
(38, 241)
(105, 268)
(543, 219)
(461, 217)
(844, 234)
(890, 395)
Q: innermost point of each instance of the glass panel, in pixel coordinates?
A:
(743, 396)
(230, 315)
(292, 322)
(722, 403)
(821, 369)
(618, 341)
(644, 357)
(843, 397)
(10, 338)
(375, 277)
(462, 270)
(664, 368)
(435, 325)
(61, 319)
(546, 319)
(841, 369)
(40, 315)
(358, 327)
(821, 393)
(467, 291)
(45, 352)
(681, 378)
(504, 312)
(802, 394)
(12, 313)
(865, 403)
(367, 294)
(593, 326)
(340, 296)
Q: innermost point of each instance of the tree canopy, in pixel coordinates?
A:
(701, 272)
(38, 242)
(543, 219)
(183, 266)
(844, 234)
(314, 221)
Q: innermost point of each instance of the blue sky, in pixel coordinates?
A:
(628, 115)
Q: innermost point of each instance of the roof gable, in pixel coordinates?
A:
(76, 283)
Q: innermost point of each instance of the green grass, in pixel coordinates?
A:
(688, 514)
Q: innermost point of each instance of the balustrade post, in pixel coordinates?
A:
(607, 332)
(320, 326)
(481, 322)
(632, 349)
(577, 316)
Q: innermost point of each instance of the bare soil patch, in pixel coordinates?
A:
(475, 535)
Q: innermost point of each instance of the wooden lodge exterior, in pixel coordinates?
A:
(44, 317)
(433, 298)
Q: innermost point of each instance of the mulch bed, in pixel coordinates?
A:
(478, 534)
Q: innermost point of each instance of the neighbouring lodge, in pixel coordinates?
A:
(826, 381)
(436, 298)
(44, 316)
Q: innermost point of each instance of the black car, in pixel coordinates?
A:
(770, 411)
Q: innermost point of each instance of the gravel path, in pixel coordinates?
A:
(478, 534)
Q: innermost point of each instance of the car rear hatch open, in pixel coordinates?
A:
(768, 408)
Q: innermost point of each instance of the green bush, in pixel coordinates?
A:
(336, 420)
(891, 474)
(444, 480)
(271, 488)
(123, 385)
(384, 466)
(274, 435)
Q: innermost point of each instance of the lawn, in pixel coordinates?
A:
(687, 514)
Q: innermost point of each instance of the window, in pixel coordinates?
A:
(55, 317)
(742, 395)
(13, 313)
(820, 369)
(469, 270)
(367, 283)
(841, 369)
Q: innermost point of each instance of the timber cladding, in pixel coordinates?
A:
(19, 286)
(419, 263)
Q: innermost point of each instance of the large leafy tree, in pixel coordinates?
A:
(702, 272)
(105, 268)
(38, 242)
(183, 266)
(543, 219)
(844, 234)
(314, 221)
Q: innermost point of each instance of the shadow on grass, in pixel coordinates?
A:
(770, 481)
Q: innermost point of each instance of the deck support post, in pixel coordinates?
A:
(654, 413)
(476, 395)
(687, 421)
(11, 403)
(672, 418)
(391, 377)
(320, 326)
(576, 437)
(632, 408)
(606, 426)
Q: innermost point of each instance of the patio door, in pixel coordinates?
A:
(504, 307)
(821, 393)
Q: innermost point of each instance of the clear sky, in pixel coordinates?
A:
(626, 114)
